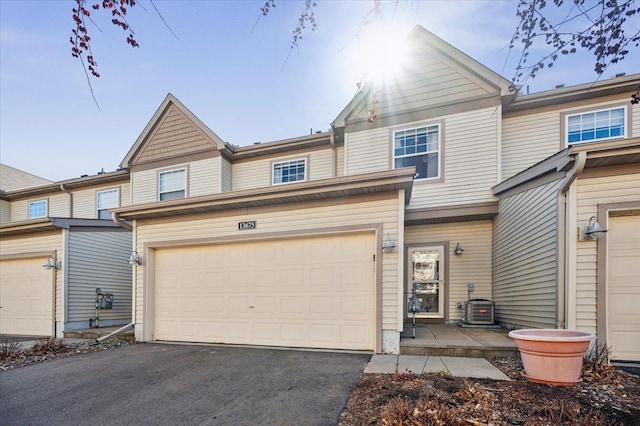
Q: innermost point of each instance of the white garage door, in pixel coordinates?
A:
(624, 287)
(313, 292)
(25, 297)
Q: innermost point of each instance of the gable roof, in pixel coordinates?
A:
(12, 179)
(467, 70)
(170, 112)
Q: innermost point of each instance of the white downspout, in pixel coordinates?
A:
(563, 236)
(66, 191)
(120, 222)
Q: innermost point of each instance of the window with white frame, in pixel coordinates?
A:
(172, 184)
(105, 200)
(289, 171)
(419, 147)
(37, 209)
(596, 125)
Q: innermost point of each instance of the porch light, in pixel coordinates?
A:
(388, 245)
(593, 230)
(458, 250)
(135, 259)
(52, 263)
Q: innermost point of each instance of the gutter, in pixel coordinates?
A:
(563, 225)
(120, 222)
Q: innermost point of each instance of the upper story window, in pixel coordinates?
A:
(289, 171)
(106, 200)
(173, 184)
(38, 209)
(419, 147)
(596, 125)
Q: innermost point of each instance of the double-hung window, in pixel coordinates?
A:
(596, 125)
(105, 200)
(172, 185)
(38, 209)
(289, 171)
(419, 147)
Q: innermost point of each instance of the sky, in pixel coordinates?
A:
(232, 70)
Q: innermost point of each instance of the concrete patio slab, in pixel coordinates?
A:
(434, 365)
(478, 368)
(382, 364)
(412, 363)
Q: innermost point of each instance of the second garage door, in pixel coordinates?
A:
(26, 298)
(315, 292)
(623, 288)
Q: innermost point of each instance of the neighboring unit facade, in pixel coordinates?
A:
(66, 226)
(446, 182)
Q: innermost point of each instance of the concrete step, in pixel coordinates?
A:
(459, 351)
(96, 333)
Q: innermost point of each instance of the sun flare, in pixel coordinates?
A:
(382, 52)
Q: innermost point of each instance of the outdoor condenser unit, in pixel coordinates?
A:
(479, 311)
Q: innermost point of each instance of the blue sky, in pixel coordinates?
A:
(236, 81)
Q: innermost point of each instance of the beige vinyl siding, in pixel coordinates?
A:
(57, 205)
(306, 218)
(590, 193)
(40, 242)
(174, 135)
(525, 248)
(473, 266)
(204, 177)
(428, 80)
(469, 152)
(321, 166)
(529, 139)
(5, 211)
(99, 260)
(84, 201)
(144, 186)
(367, 151)
(227, 178)
(340, 161)
(253, 174)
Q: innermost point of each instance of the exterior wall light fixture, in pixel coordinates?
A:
(135, 259)
(388, 245)
(52, 262)
(593, 230)
(458, 250)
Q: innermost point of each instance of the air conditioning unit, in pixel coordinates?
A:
(479, 312)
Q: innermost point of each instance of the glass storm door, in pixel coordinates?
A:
(426, 270)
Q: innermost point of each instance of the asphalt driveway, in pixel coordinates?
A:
(160, 384)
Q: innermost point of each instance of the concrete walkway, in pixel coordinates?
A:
(478, 368)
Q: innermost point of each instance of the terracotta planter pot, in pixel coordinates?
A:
(552, 356)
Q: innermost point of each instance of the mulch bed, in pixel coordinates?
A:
(606, 396)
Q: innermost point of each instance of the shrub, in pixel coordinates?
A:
(48, 346)
(10, 349)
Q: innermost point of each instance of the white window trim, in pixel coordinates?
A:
(107, 208)
(184, 183)
(439, 177)
(595, 111)
(46, 208)
(290, 160)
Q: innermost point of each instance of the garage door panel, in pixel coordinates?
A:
(26, 298)
(298, 292)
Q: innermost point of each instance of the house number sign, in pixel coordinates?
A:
(249, 224)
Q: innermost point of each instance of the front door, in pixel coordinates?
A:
(426, 274)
